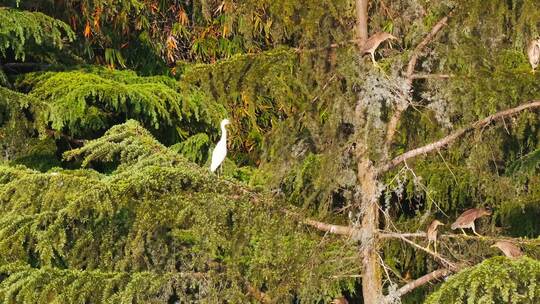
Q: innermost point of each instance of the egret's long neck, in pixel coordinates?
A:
(223, 133)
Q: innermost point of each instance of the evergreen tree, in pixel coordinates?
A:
(336, 166)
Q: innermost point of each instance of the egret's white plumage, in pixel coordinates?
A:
(220, 151)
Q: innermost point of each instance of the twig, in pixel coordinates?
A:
(54, 133)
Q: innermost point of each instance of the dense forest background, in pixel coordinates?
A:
(109, 111)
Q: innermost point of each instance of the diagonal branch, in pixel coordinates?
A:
(423, 280)
(434, 254)
(420, 47)
(410, 76)
(442, 143)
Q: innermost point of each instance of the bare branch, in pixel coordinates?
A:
(396, 235)
(420, 47)
(423, 280)
(430, 76)
(442, 143)
(258, 295)
(396, 116)
(334, 229)
(434, 254)
(485, 238)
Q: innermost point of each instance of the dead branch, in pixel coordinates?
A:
(396, 235)
(420, 47)
(442, 143)
(423, 280)
(394, 119)
(434, 254)
(334, 229)
(430, 76)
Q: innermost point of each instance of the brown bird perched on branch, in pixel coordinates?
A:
(509, 249)
(340, 300)
(432, 233)
(373, 43)
(467, 218)
(533, 52)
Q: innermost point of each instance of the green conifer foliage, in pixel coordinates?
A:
(20, 30)
(496, 280)
(87, 101)
(156, 228)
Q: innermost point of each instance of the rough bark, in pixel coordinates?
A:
(362, 21)
(367, 179)
(371, 272)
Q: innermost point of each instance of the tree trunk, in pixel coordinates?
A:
(367, 178)
(371, 274)
(361, 21)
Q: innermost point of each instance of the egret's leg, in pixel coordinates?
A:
(428, 244)
(463, 231)
(435, 245)
(373, 58)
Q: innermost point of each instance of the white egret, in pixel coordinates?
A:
(220, 151)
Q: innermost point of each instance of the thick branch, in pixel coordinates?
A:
(423, 280)
(457, 134)
(334, 229)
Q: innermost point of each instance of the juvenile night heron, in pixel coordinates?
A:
(509, 249)
(467, 218)
(533, 52)
(220, 151)
(340, 300)
(432, 233)
(373, 43)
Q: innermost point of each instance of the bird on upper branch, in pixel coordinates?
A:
(467, 218)
(373, 43)
(432, 234)
(533, 52)
(340, 300)
(509, 249)
(220, 151)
